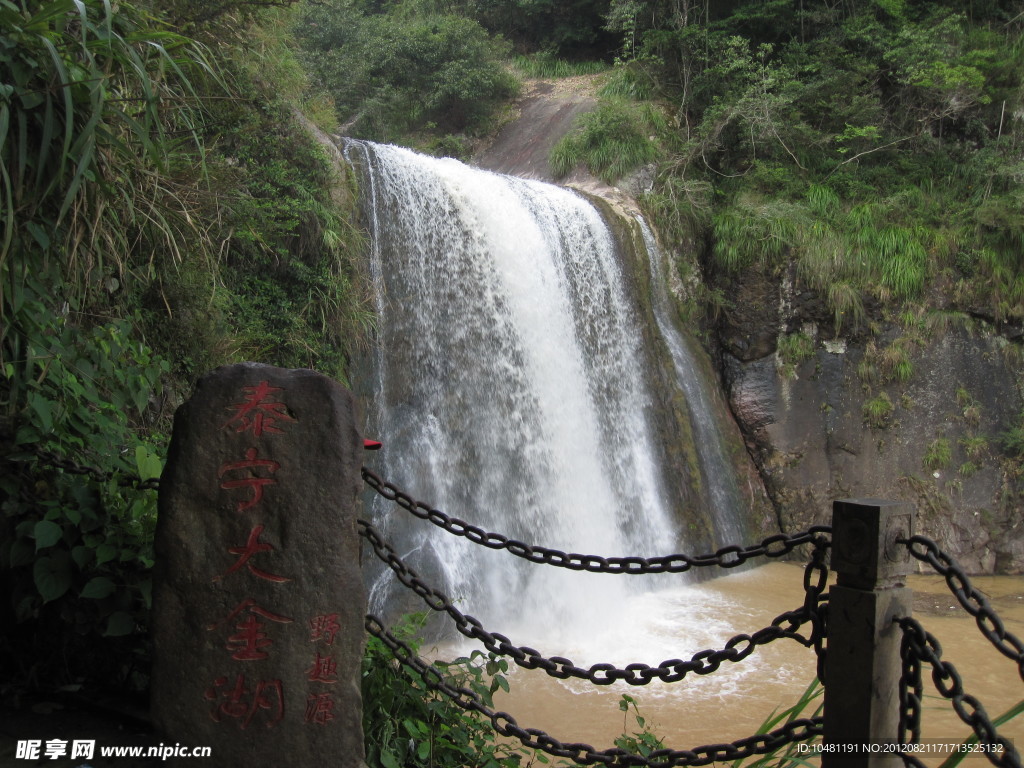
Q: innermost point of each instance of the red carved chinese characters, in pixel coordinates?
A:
(250, 640)
(319, 708)
(242, 704)
(257, 413)
(261, 412)
(252, 547)
(324, 670)
(324, 627)
(253, 482)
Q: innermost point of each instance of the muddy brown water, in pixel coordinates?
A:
(733, 702)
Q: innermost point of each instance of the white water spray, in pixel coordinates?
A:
(724, 502)
(509, 389)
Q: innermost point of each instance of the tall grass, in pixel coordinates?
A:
(823, 200)
(1003, 276)
(810, 704)
(628, 81)
(844, 254)
(902, 261)
(878, 411)
(611, 141)
(547, 66)
(846, 304)
(820, 255)
(93, 143)
(756, 233)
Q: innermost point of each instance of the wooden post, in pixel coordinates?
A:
(259, 602)
(862, 666)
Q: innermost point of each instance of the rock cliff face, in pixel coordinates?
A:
(912, 411)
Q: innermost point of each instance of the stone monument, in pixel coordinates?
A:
(258, 596)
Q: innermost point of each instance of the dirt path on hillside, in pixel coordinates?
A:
(545, 113)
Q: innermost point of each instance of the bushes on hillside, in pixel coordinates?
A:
(393, 75)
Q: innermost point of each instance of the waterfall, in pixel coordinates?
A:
(508, 388)
(722, 495)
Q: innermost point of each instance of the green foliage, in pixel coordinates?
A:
(285, 286)
(641, 740)
(788, 755)
(970, 408)
(405, 724)
(894, 363)
(288, 269)
(567, 29)
(95, 121)
(938, 454)
(793, 349)
(157, 197)
(395, 75)
(847, 306)
(901, 261)
(1012, 439)
(968, 468)
(751, 109)
(96, 127)
(878, 411)
(611, 141)
(80, 548)
(546, 66)
(975, 446)
(901, 183)
(943, 77)
(796, 347)
(629, 82)
(754, 232)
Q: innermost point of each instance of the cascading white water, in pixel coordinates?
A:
(724, 502)
(509, 388)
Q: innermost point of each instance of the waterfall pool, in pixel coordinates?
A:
(732, 702)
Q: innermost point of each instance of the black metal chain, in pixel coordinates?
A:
(124, 479)
(922, 645)
(796, 730)
(702, 663)
(911, 692)
(917, 644)
(972, 601)
(816, 601)
(727, 557)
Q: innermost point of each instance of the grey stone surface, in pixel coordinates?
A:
(814, 442)
(259, 601)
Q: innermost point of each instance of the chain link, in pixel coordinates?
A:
(702, 663)
(922, 645)
(731, 556)
(816, 602)
(125, 479)
(911, 693)
(794, 731)
(917, 644)
(970, 599)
